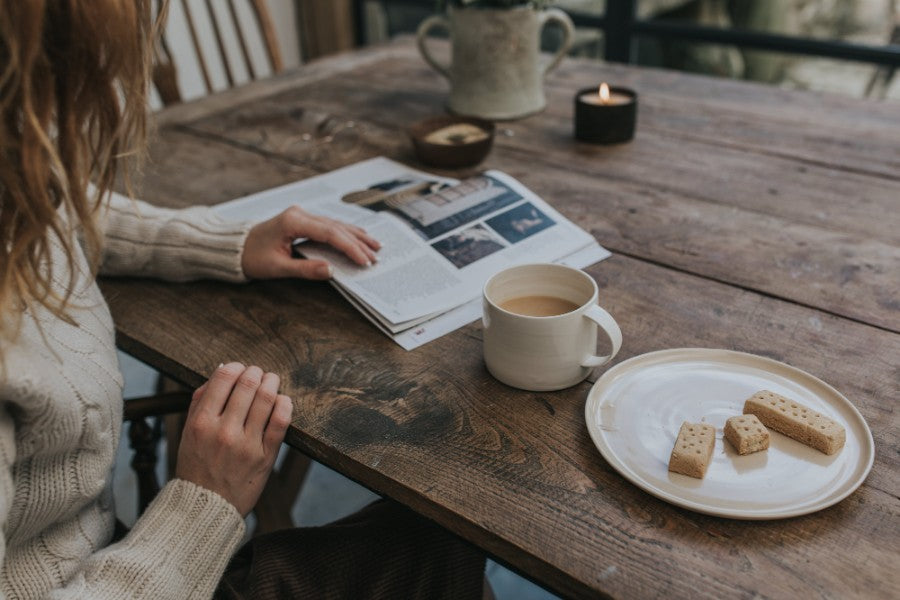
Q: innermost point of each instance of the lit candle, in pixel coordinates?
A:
(605, 97)
(605, 115)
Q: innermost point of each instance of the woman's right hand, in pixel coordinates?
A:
(234, 428)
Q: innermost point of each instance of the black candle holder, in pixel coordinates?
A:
(610, 123)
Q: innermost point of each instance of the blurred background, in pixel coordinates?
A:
(865, 22)
(671, 34)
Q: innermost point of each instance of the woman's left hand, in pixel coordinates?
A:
(267, 250)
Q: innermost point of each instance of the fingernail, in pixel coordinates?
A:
(220, 365)
(325, 271)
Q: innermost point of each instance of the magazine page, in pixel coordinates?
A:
(442, 241)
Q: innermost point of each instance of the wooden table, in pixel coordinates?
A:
(741, 217)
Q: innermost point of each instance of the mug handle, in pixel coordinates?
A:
(558, 16)
(432, 22)
(608, 325)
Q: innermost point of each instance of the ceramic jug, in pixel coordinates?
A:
(496, 71)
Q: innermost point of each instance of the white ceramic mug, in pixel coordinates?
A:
(546, 352)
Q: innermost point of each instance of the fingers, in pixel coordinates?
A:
(199, 392)
(305, 268)
(360, 233)
(242, 396)
(278, 424)
(267, 251)
(367, 239)
(263, 404)
(251, 397)
(349, 239)
(231, 445)
(339, 237)
(217, 390)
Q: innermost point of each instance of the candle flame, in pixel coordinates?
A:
(604, 93)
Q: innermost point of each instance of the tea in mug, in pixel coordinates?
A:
(538, 306)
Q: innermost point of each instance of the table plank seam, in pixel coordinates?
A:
(714, 141)
(203, 134)
(187, 129)
(750, 148)
(749, 289)
(613, 176)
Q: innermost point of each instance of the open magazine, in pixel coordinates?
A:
(441, 240)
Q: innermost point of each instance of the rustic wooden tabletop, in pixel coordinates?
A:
(741, 217)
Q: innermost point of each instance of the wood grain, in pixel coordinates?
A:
(763, 216)
(471, 453)
(185, 169)
(843, 132)
(706, 256)
(790, 186)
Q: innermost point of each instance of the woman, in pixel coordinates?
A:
(73, 86)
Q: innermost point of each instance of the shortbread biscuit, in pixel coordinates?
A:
(796, 421)
(693, 449)
(747, 434)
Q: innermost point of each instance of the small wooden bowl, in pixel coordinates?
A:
(455, 151)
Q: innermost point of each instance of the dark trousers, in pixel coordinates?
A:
(382, 551)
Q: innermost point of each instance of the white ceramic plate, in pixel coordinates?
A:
(634, 411)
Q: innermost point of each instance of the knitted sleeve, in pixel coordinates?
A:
(179, 548)
(178, 245)
(7, 486)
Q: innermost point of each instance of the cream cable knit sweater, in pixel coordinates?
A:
(60, 419)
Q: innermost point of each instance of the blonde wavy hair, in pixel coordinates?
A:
(74, 77)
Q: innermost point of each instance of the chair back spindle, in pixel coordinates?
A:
(220, 23)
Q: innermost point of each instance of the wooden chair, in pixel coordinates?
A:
(165, 67)
(149, 416)
(144, 432)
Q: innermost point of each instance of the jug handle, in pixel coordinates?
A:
(432, 22)
(558, 16)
